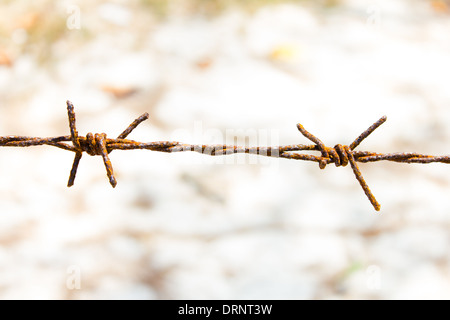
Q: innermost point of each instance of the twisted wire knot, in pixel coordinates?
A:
(341, 155)
(94, 145)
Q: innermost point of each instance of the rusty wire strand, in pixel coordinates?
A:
(99, 144)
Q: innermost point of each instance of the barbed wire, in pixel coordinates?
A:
(99, 145)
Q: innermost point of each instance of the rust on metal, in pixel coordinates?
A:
(99, 145)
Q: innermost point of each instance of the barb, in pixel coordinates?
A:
(99, 145)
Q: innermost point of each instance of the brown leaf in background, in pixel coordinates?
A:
(119, 92)
(204, 63)
(440, 6)
(5, 59)
(27, 21)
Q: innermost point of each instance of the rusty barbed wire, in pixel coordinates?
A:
(99, 145)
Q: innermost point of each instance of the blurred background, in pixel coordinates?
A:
(189, 226)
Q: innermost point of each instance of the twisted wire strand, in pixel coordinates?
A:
(99, 145)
